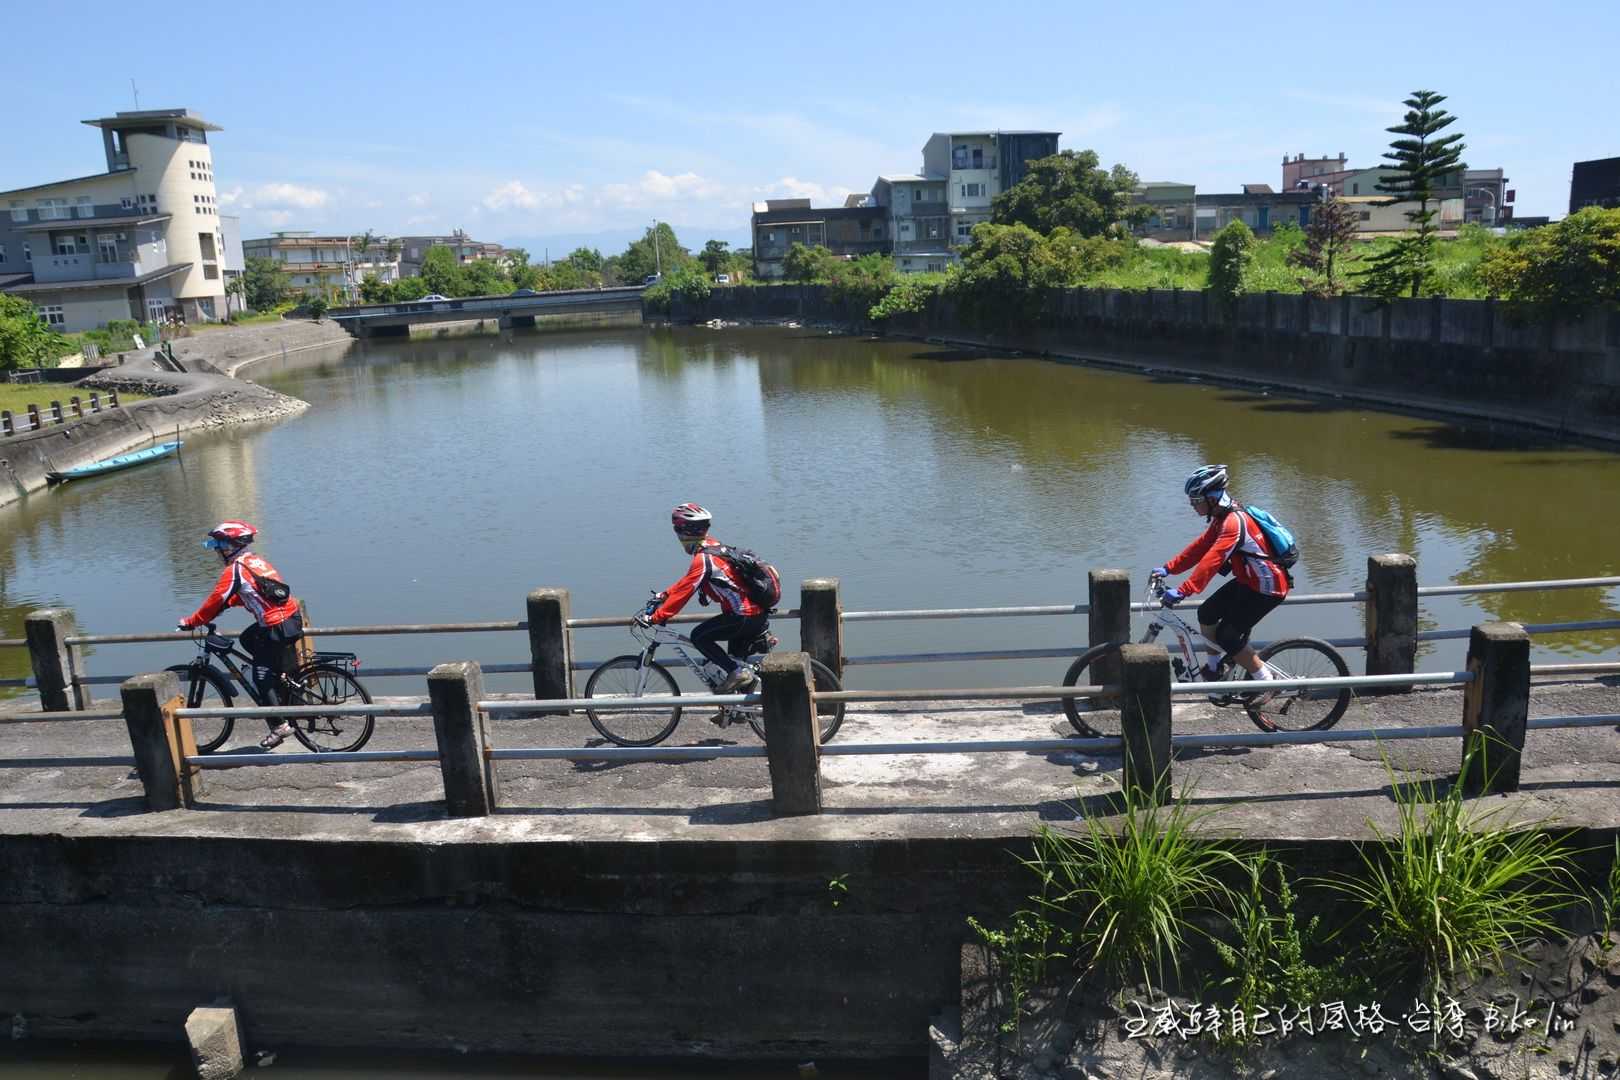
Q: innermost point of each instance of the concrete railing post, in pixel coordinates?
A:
(112, 398)
(1496, 706)
(95, 402)
(1108, 595)
(1392, 616)
(56, 412)
(821, 622)
(75, 405)
(34, 422)
(551, 647)
(47, 631)
(161, 741)
(792, 740)
(6, 426)
(1144, 721)
(470, 788)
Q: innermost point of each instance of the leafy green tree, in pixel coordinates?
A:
(585, 259)
(410, 288)
(807, 264)
(1070, 190)
(715, 257)
(1421, 158)
(373, 290)
(862, 281)
(317, 306)
(25, 339)
(690, 285)
(1229, 259)
(1006, 271)
(264, 285)
(645, 256)
(1328, 237)
(442, 273)
(484, 277)
(1569, 266)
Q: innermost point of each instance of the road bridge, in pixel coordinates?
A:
(514, 309)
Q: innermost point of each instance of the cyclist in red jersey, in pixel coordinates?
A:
(711, 578)
(249, 581)
(1233, 543)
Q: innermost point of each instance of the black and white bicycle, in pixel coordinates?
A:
(1277, 710)
(638, 675)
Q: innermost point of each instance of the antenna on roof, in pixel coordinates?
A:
(135, 92)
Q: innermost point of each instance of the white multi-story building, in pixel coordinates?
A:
(327, 265)
(141, 241)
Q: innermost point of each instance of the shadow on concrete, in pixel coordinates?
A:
(111, 808)
(591, 811)
(407, 813)
(609, 766)
(288, 808)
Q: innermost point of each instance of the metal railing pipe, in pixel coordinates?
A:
(232, 761)
(967, 613)
(1251, 686)
(627, 704)
(1605, 668)
(1288, 738)
(978, 746)
(65, 762)
(1594, 720)
(597, 622)
(290, 712)
(991, 693)
(59, 717)
(1519, 586)
(627, 753)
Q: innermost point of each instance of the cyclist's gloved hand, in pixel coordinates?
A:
(1159, 572)
(643, 620)
(1171, 597)
(181, 626)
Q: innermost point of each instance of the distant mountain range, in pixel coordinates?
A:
(614, 241)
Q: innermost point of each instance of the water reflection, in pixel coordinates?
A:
(443, 479)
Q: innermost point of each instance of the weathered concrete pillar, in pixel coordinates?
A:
(792, 741)
(6, 424)
(821, 622)
(56, 412)
(1391, 616)
(1496, 706)
(470, 788)
(74, 406)
(47, 631)
(551, 651)
(34, 422)
(1144, 720)
(112, 398)
(216, 1043)
(1109, 617)
(161, 741)
(95, 402)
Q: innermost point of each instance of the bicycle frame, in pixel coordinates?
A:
(1189, 638)
(225, 654)
(653, 636)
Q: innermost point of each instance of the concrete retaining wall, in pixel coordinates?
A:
(189, 402)
(1466, 358)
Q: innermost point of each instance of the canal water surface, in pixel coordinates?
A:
(443, 479)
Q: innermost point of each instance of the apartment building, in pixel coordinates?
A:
(1487, 200)
(1301, 173)
(978, 166)
(466, 249)
(326, 265)
(1173, 210)
(1261, 211)
(1594, 183)
(846, 231)
(142, 240)
(919, 220)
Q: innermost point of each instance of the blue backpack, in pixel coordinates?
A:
(1284, 549)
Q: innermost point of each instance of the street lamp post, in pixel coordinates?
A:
(1488, 194)
(658, 258)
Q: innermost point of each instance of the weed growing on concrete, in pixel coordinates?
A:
(1128, 901)
(838, 888)
(1267, 953)
(1455, 885)
(1025, 948)
(1608, 902)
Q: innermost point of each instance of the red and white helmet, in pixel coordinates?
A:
(690, 519)
(230, 536)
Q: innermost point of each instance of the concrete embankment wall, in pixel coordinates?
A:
(189, 402)
(1466, 358)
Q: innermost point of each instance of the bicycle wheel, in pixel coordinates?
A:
(1301, 710)
(622, 676)
(326, 684)
(203, 687)
(1098, 717)
(829, 714)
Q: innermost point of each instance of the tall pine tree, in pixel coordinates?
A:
(1421, 157)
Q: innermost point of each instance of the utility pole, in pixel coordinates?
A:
(658, 258)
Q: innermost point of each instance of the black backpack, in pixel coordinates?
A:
(757, 577)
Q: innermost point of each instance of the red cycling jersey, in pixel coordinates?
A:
(714, 577)
(1232, 537)
(237, 587)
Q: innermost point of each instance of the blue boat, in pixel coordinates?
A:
(113, 464)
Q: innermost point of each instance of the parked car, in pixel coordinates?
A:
(652, 279)
(524, 292)
(431, 296)
(722, 279)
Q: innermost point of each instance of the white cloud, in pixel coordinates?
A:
(304, 198)
(512, 195)
(419, 198)
(791, 187)
(278, 217)
(229, 198)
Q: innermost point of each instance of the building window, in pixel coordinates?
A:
(1355, 189)
(63, 245)
(2, 253)
(28, 252)
(85, 207)
(53, 209)
(108, 247)
(18, 211)
(156, 311)
(211, 271)
(1366, 215)
(52, 314)
(972, 191)
(126, 203)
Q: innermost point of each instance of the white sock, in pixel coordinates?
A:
(1263, 673)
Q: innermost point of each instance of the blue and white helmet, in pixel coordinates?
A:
(1208, 482)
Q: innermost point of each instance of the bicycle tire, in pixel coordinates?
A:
(829, 715)
(328, 684)
(1274, 714)
(617, 727)
(195, 682)
(1098, 717)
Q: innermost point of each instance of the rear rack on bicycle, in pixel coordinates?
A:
(346, 660)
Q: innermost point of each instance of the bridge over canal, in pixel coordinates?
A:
(514, 309)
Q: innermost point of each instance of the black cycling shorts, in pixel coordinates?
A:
(1234, 611)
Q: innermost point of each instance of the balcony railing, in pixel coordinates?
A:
(927, 209)
(55, 213)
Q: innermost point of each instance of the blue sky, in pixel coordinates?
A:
(549, 124)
